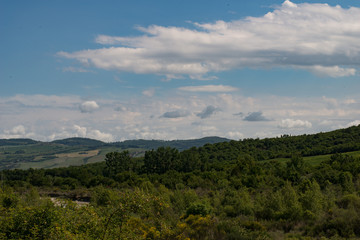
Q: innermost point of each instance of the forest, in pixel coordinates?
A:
(246, 189)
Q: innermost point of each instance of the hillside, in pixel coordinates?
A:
(27, 153)
(79, 142)
(338, 141)
(178, 144)
(17, 142)
(226, 190)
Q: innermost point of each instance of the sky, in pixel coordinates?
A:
(171, 69)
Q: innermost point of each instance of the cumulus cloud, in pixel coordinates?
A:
(255, 117)
(320, 38)
(97, 134)
(88, 106)
(236, 135)
(207, 112)
(208, 88)
(291, 123)
(80, 131)
(119, 119)
(353, 123)
(176, 114)
(18, 131)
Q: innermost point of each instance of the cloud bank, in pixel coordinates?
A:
(319, 38)
(47, 118)
(291, 123)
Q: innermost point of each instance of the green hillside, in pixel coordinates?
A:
(79, 142)
(178, 144)
(27, 153)
(16, 142)
(248, 189)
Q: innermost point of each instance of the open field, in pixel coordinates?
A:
(74, 158)
(27, 153)
(315, 160)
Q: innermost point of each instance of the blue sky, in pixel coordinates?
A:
(116, 70)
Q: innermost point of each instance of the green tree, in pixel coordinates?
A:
(312, 201)
(161, 160)
(117, 162)
(295, 168)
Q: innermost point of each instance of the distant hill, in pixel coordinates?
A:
(27, 153)
(337, 141)
(79, 142)
(178, 144)
(17, 141)
(142, 143)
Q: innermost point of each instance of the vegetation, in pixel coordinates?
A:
(27, 153)
(227, 190)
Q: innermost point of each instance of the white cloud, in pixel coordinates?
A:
(208, 130)
(208, 88)
(353, 123)
(18, 130)
(149, 92)
(319, 38)
(88, 106)
(136, 117)
(96, 134)
(331, 71)
(43, 101)
(236, 135)
(291, 123)
(80, 131)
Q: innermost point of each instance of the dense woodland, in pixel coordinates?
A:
(229, 190)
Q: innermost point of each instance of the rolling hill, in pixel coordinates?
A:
(28, 153)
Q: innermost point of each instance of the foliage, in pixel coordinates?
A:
(219, 191)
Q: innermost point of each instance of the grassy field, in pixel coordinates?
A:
(74, 158)
(315, 160)
(49, 156)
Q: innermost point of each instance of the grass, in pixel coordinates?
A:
(315, 160)
(73, 158)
